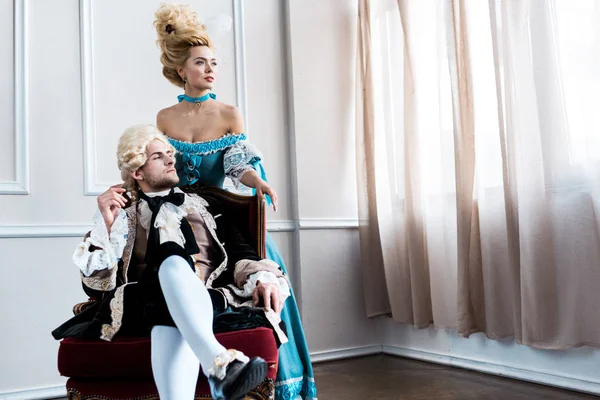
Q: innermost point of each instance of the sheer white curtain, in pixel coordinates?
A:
(478, 147)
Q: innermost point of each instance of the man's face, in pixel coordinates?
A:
(158, 173)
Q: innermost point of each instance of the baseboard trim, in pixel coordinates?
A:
(340, 354)
(281, 226)
(51, 392)
(539, 377)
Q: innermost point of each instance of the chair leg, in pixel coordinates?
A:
(264, 391)
(73, 395)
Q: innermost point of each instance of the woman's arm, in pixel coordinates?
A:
(250, 177)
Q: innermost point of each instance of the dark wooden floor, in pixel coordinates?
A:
(392, 378)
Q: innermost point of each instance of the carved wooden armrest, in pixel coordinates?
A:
(80, 307)
(249, 212)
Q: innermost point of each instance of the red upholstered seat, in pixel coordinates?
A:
(130, 357)
(121, 369)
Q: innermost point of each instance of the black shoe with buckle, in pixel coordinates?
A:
(239, 379)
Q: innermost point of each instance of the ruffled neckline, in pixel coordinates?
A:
(208, 146)
(225, 136)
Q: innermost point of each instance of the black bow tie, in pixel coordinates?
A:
(155, 202)
(156, 252)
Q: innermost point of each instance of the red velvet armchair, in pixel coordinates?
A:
(121, 369)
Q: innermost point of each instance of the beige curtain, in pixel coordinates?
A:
(478, 165)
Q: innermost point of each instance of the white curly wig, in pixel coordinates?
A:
(131, 153)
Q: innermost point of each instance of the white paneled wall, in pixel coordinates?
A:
(87, 69)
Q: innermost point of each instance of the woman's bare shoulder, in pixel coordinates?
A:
(230, 112)
(165, 116)
(233, 116)
(227, 110)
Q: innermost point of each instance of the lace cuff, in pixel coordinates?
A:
(219, 367)
(107, 249)
(266, 277)
(239, 159)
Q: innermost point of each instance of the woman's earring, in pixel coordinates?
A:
(184, 83)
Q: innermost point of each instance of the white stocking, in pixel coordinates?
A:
(174, 365)
(191, 308)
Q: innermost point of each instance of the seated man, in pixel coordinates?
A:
(162, 264)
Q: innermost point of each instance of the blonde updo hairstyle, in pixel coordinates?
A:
(178, 29)
(132, 151)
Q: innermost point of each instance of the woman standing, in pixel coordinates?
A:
(211, 144)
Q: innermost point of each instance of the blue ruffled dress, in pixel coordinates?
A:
(209, 163)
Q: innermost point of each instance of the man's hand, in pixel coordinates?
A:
(110, 202)
(269, 293)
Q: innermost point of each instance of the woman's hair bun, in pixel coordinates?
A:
(178, 29)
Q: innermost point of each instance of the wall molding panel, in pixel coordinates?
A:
(43, 231)
(92, 186)
(50, 392)
(20, 186)
(328, 223)
(77, 230)
(240, 59)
